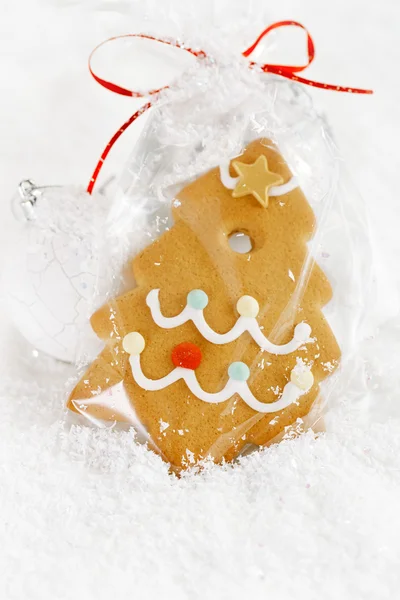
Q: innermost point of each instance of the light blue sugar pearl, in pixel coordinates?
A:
(239, 371)
(197, 299)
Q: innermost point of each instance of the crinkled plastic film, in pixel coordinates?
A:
(176, 216)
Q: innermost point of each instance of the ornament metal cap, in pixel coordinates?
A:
(28, 193)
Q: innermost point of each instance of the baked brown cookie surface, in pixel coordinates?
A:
(214, 387)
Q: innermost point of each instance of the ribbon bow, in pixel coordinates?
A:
(287, 71)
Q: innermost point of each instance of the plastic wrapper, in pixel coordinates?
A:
(241, 293)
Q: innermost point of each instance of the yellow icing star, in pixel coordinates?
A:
(255, 179)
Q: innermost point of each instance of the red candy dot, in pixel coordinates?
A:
(186, 355)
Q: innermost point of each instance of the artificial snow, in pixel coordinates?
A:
(90, 514)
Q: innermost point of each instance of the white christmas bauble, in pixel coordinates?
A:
(54, 275)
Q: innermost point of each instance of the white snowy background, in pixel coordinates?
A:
(88, 514)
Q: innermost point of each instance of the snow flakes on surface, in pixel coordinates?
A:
(263, 362)
(308, 518)
(163, 425)
(275, 390)
(329, 366)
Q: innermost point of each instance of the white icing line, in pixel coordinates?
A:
(285, 188)
(290, 394)
(301, 333)
(153, 302)
(226, 180)
(153, 385)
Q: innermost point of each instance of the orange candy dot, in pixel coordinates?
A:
(186, 355)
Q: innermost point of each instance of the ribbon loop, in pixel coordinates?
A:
(287, 68)
(117, 89)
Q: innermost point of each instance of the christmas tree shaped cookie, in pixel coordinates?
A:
(216, 349)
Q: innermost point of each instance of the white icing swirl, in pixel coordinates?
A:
(290, 394)
(301, 333)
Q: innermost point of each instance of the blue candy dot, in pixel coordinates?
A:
(239, 371)
(197, 299)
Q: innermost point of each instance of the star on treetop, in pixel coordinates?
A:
(255, 179)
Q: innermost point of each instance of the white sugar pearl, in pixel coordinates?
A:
(133, 343)
(302, 378)
(302, 332)
(247, 306)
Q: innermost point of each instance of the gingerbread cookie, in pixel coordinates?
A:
(216, 349)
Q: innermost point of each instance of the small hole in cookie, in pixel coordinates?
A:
(240, 242)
